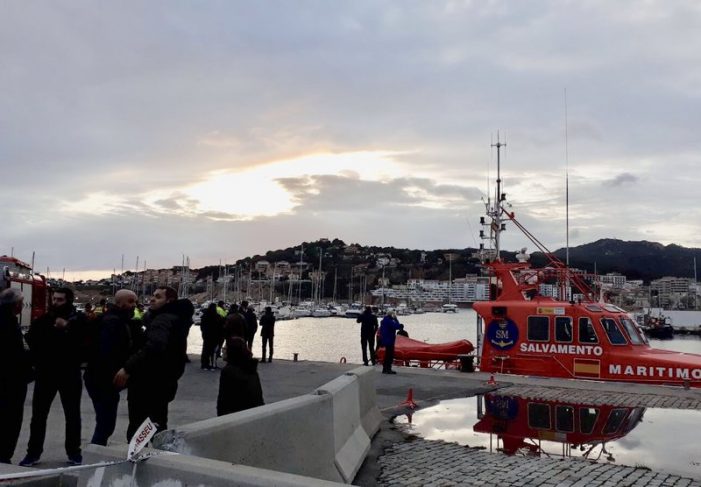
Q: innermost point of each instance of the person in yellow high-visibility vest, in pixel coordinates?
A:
(139, 312)
(221, 311)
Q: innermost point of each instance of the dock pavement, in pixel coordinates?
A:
(395, 459)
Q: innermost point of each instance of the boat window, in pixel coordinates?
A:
(615, 419)
(587, 419)
(614, 333)
(632, 330)
(564, 418)
(634, 418)
(613, 308)
(595, 308)
(587, 334)
(538, 328)
(563, 329)
(539, 416)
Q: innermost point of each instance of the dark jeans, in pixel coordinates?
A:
(69, 386)
(368, 343)
(149, 401)
(208, 359)
(105, 401)
(389, 358)
(11, 412)
(269, 342)
(249, 342)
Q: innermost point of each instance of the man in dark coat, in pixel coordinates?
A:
(267, 332)
(152, 371)
(56, 341)
(115, 335)
(15, 372)
(211, 326)
(368, 329)
(251, 323)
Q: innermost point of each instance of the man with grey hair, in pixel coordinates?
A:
(15, 372)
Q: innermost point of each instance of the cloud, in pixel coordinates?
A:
(126, 115)
(621, 179)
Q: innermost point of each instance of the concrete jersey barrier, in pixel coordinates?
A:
(294, 436)
(351, 442)
(179, 470)
(325, 435)
(370, 414)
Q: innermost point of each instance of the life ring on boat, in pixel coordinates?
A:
(342, 361)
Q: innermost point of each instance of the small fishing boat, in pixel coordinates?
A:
(657, 327)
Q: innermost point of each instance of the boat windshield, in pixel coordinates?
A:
(636, 338)
(613, 308)
(616, 336)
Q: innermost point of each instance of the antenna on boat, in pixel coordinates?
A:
(567, 190)
(496, 227)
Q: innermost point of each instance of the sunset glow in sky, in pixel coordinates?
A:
(220, 130)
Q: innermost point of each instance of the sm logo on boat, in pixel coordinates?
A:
(502, 334)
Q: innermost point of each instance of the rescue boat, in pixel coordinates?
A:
(575, 336)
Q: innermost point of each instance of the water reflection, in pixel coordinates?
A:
(522, 425)
(660, 439)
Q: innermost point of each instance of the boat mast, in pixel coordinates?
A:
(495, 210)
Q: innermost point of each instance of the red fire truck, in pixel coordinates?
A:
(17, 274)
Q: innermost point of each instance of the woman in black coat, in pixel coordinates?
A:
(239, 384)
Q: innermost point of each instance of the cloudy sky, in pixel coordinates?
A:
(221, 129)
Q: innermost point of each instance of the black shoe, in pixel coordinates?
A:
(29, 461)
(388, 372)
(365, 364)
(270, 359)
(76, 459)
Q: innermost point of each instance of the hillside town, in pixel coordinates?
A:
(330, 271)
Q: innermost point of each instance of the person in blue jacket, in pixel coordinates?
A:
(388, 334)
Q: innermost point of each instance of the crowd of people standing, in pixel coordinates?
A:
(118, 347)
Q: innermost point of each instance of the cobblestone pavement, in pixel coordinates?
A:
(437, 463)
(579, 396)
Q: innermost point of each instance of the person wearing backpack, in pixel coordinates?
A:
(115, 334)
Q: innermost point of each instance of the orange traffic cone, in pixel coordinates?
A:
(409, 402)
(491, 381)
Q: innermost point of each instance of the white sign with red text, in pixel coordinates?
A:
(141, 438)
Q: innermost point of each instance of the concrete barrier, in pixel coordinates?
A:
(351, 442)
(179, 470)
(294, 436)
(370, 414)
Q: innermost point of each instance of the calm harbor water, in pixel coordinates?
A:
(329, 339)
(659, 439)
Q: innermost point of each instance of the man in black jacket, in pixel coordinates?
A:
(56, 341)
(152, 372)
(267, 332)
(15, 371)
(368, 329)
(114, 338)
(251, 323)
